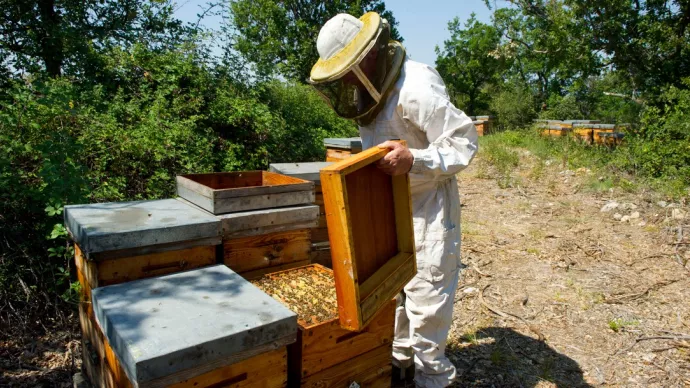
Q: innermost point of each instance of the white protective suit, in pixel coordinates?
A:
(443, 141)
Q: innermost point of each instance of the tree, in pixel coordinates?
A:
(67, 36)
(550, 50)
(469, 64)
(279, 37)
(648, 40)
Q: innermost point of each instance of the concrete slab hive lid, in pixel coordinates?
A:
(102, 227)
(174, 327)
(348, 143)
(307, 171)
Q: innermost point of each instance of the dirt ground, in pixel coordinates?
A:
(555, 293)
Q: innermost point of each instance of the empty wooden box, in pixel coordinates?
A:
(228, 192)
(338, 149)
(322, 346)
(205, 327)
(372, 239)
(321, 247)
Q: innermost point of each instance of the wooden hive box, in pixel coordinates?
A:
(121, 242)
(321, 247)
(369, 217)
(338, 149)
(555, 131)
(600, 129)
(205, 327)
(480, 125)
(263, 241)
(611, 139)
(228, 192)
(584, 132)
(322, 346)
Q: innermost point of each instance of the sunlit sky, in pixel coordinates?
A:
(423, 24)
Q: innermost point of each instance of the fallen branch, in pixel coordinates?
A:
(658, 337)
(474, 267)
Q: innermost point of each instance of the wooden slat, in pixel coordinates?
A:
(371, 370)
(336, 155)
(263, 201)
(265, 370)
(151, 249)
(256, 252)
(327, 344)
(251, 275)
(122, 270)
(383, 273)
(388, 288)
(340, 235)
(349, 165)
(106, 358)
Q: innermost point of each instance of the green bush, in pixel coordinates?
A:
(514, 106)
(64, 142)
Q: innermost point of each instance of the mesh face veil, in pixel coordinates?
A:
(350, 92)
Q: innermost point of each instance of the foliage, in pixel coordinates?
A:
(469, 64)
(514, 105)
(279, 37)
(70, 36)
(66, 142)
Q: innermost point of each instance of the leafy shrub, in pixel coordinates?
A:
(514, 106)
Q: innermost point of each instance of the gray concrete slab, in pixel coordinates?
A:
(308, 171)
(268, 219)
(189, 323)
(348, 143)
(102, 227)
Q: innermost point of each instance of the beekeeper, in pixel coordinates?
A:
(368, 78)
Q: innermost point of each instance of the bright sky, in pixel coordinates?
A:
(423, 24)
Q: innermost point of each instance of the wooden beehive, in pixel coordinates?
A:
(370, 229)
(372, 370)
(321, 247)
(600, 129)
(555, 130)
(323, 346)
(263, 241)
(338, 149)
(480, 126)
(228, 192)
(237, 337)
(611, 139)
(584, 132)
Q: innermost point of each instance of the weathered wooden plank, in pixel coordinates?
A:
(239, 204)
(264, 370)
(266, 219)
(371, 370)
(151, 249)
(116, 271)
(255, 252)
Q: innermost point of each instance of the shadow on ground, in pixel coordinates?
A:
(502, 357)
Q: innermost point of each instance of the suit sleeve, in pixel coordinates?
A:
(450, 132)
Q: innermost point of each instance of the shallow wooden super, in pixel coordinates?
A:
(369, 216)
(372, 370)
(323, 345)
(265, 251)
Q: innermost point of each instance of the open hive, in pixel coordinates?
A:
(324, 350)
(307, 291)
